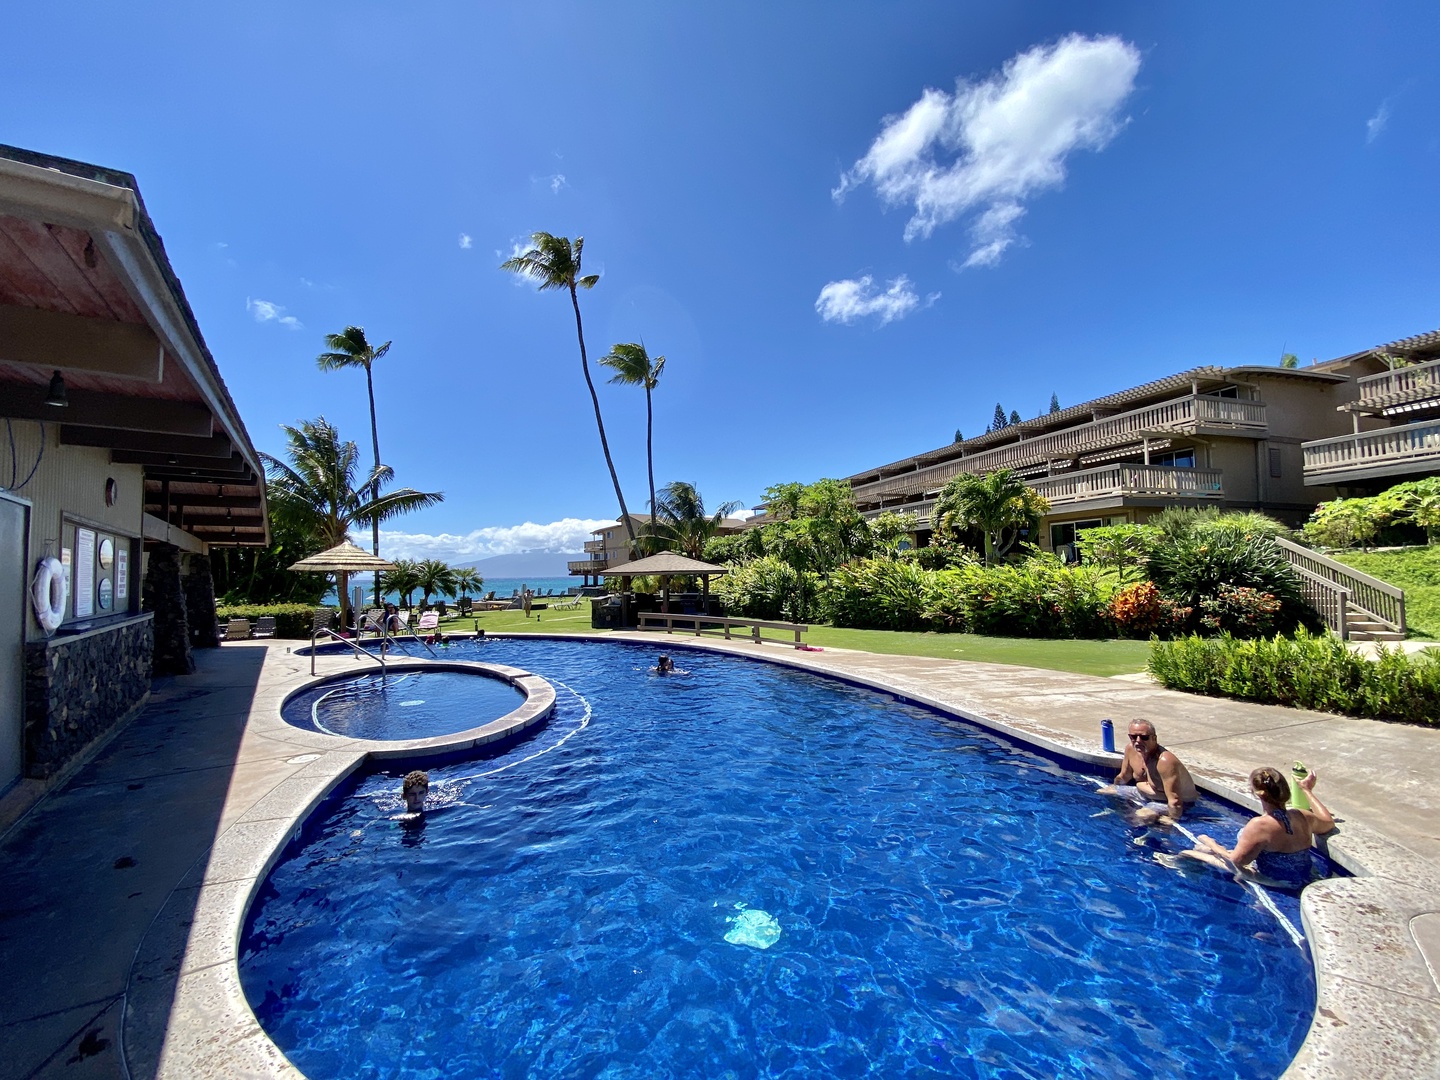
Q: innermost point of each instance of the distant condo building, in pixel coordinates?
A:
(611, 547)
(1274, 439)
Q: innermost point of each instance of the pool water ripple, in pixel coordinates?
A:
(947, 904)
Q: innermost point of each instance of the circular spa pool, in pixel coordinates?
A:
(403, 704)
(750, 871)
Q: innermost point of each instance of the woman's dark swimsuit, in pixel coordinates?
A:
(1293, 869)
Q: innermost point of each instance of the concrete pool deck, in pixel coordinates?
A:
(122, 891)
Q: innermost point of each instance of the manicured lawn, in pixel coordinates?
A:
(1082, 657)
(1417, 571)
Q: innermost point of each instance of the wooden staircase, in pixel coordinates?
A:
(1355, 606)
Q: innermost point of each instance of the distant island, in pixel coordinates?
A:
(531, 564)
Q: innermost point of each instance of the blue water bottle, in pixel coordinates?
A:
(1107, 735)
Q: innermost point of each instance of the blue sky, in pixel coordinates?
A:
(851, 228)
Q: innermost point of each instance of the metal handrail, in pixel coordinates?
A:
(325, 631)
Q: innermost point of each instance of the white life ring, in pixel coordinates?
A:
(48, 593)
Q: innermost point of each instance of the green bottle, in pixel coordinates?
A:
(1298, 799)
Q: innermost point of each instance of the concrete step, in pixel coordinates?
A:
(1389, 637)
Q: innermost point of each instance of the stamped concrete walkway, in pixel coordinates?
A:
(123, 887)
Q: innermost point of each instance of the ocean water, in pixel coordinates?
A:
(741, 870)
(500, 586)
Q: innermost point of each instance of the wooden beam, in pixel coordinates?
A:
(54, 339)
(93, 408)
(238, 502)
(233, 464)
(217, 446)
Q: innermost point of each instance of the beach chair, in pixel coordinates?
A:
(567, 604)
(322, 619)
(237, 630)
(429, 621)
(265, 626)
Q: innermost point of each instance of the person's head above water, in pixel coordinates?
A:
(665, 663)
(1271, 785)
(1143, 735)
(413, 789)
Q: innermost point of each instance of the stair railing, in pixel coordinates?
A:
(1378, 599)
(1329, 599)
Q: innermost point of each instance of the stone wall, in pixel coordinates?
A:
(200, 602)
(77, 688)
(164, 595)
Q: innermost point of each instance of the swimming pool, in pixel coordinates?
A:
(946, 903)
(405, 704)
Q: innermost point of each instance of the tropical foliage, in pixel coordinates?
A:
(683, 524)
(403, 580)
(351, 349)
(999, 505)
(319, 487)
(633, 366)
(768, 588)
(435, 577)
(1401, 514)
(468, 580)
(1306, 672)
(554, 262)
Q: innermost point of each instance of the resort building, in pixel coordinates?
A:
(1229, 437)
(611, 547)
(1394, 419)
(123, 462)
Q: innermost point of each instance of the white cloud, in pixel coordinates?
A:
(465, 241)
(1376, 124)
(568, 534)
(994, 143)
(557, 181)
(850, 299)
(265, 311)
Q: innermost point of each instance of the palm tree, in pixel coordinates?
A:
(349, 349)
(999, 504)
(467, 580)
(634, 367)
(555, 262)
(684, 526)
(404, 579)
(435, 577)
(317, 487)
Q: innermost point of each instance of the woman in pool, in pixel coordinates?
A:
(1277, 842)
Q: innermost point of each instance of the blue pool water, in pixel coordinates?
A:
(933, 901)
(403, 705)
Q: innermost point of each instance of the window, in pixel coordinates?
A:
(1176, 459)
(1276, 468)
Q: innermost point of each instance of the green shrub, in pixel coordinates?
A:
(291, 620)
(1309, 671)
(877, 594)
(1036, 598)
(1123, 548)
(1191, 568)
(770, 588)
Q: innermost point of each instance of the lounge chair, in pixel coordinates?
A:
(237, 630)
(265, 626)
(429, 621)
(322, 619)
(567, 604)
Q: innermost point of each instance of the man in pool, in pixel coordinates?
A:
(1159, 778)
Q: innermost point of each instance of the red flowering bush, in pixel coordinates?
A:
(1240, 611)
(1139, 611)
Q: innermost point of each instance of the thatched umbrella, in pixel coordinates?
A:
(343, 560)
(666, 565)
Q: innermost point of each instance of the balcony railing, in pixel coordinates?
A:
(1114, 481)
(1191, 414)
(588, 566)
(597, 546)
(1418, 382)
(1377, 453)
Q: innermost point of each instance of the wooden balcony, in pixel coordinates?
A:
(1400, 390)
(1115, 482)
(1194, 414)
(595, 546)
(588, 566)
(1392, 451)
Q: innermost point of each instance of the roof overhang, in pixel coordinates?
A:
(86, 289)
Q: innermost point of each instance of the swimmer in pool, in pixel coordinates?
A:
(413, 790)
(1159, 779)
(1273, 847)
(664, 666)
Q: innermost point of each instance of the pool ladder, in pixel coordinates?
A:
(384, 639)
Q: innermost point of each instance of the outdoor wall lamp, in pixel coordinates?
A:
(56, 394)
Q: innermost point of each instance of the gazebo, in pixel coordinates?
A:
(343, 560)
(666, 565)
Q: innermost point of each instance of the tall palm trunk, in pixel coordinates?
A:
(650, 453)
(599, 423)
(375, 487)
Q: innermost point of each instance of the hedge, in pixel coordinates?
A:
(291, 620)
(1309, 671)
